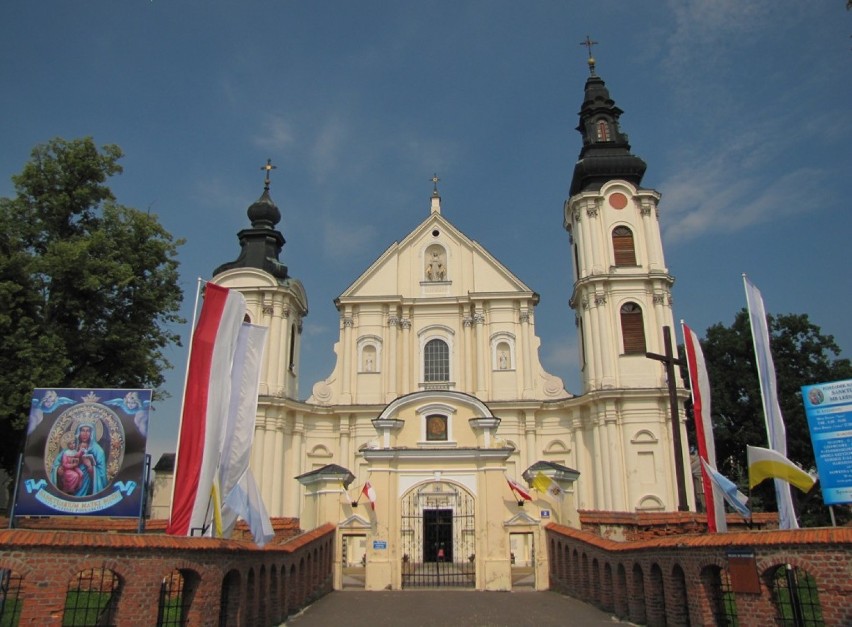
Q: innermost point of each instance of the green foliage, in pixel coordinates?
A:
(10, 611)
(86, 607)
(802, 356)
(89, 288)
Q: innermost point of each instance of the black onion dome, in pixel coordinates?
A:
(605, 155)
(263, 213)
(261, 244)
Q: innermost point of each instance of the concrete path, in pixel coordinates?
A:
(433, 608)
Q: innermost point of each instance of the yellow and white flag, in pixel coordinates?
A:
(547, 485)
(764, 463)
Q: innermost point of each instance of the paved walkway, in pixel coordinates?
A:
(433, 608)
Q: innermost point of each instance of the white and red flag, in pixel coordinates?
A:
(700, 387)
(207, 398)
(370, 493)
(520, 490)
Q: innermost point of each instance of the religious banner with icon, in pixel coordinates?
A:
(85, 453)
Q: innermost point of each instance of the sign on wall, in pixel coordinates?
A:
(85, 453)
(828, 407)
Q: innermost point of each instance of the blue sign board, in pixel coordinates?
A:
(380, 544)
(828, 407)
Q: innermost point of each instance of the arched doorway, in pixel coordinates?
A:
(438, 537)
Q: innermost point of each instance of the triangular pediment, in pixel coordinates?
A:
(521, 519)
(355, 522)
(401, 271)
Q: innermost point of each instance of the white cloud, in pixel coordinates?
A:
(347, 240)
(560, 354)
(275, 135)
(327, 145)
(722, 199)
(219, 193)
(704, 31)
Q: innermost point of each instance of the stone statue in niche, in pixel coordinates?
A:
(435, 270)
(503, 360)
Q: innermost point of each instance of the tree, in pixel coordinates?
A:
(89, 288)
(802, 356)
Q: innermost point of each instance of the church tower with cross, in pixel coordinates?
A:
(275, 299)
(622, 288)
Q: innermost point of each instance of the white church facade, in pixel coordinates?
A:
(438, 394)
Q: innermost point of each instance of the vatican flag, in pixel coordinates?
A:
(548, 485)
(764, 463)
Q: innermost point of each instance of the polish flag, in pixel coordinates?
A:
(520, 490)
(370, 493)
(700, 388)
(206, 400)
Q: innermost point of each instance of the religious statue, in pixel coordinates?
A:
(435, 267)
(503, 360)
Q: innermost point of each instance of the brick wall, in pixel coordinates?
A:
(663, 579)
(263, 586)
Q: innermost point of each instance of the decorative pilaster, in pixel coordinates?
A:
(391, 357)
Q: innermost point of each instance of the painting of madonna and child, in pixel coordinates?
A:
(85, 453)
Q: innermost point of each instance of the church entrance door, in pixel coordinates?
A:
(438, 537)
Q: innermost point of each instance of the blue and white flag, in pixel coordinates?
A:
(245, 501)
(728, 488)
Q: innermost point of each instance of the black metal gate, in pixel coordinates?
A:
(438, 537)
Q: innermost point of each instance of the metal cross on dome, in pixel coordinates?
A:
(268, 167)
(589, 43)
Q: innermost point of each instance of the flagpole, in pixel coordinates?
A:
(198, 282)
(751, 509)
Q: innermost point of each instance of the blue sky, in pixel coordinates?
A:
(740, 109)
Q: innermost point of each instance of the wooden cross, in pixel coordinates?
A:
(268, 167)
(670, 362)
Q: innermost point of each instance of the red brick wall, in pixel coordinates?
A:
(663, 574)
(47, 560)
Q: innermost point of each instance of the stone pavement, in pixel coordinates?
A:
(461, 608)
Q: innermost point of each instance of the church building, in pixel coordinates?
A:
(438, 395)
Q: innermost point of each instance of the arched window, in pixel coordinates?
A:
(632, 329)
(622, 246)
(436, 361)
(602, 131)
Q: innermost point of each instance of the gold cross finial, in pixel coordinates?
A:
(589, 43)
(434, 180)
(268, 167)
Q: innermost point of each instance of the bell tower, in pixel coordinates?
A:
(274, 298)
(622, 289)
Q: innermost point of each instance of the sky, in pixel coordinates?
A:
(740, 109)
